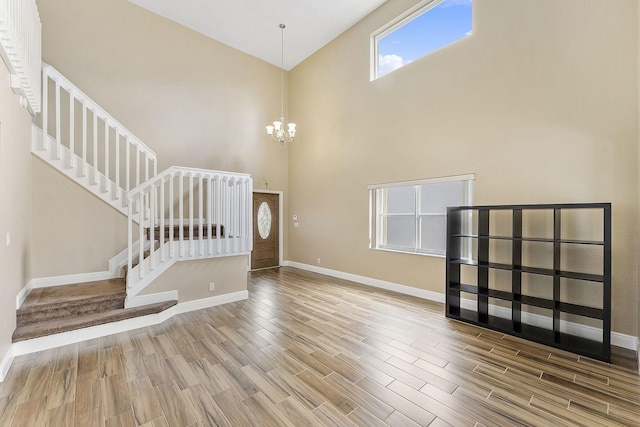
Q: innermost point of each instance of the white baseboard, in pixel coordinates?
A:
(92, 332)
(6, 363)
(70, 279)
(200, 304)
(584, 331)
(620, 340)
(140, 300)
(625, 341)
(376, 283)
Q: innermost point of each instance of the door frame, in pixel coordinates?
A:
(280, 223)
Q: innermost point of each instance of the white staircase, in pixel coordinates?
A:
(192, 214)
(88, 145)
(181, 213)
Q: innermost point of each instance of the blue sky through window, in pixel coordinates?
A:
(447, 22)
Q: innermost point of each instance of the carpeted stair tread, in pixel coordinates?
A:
(77, 294)
(41, 329)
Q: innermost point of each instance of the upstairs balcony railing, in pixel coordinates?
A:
(20, 47)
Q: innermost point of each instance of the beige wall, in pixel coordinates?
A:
(73, 231)
(191, 278)
(194, 101)
(15, 205)
(540, 103)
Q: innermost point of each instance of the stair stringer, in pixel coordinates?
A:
(153, 270)
(91, 180)
(119, 261)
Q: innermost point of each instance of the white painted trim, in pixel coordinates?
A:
(85, 181)
(452, 178)
(140, 300)
(200, 304)
(92, 332)
(280, 224)
(161, 267)
(43, 282)
(629, 342)
(376, 283)
(23, 294)
(118, 262)
(584, 331)
(625, 341)
(7, 360)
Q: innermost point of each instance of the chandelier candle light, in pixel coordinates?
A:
(277, 130)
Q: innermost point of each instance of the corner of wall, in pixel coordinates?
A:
(15, 217)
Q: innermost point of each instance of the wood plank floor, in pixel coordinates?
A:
(306, 349)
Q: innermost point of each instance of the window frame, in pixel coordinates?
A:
(378, 214)
(399, 21)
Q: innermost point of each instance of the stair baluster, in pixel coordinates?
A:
(167, 229)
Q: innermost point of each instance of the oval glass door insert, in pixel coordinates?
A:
(264, 220)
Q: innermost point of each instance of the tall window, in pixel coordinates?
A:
(412, 216)
(429, 26)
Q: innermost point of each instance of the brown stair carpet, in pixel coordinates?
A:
(175, 230)
(56, 309)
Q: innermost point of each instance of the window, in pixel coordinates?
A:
(426, 28)
(412, 216)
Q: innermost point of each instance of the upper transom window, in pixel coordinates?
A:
(429, 26)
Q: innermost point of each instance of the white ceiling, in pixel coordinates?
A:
(251, 26)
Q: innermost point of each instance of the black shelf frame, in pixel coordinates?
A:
(482, 291)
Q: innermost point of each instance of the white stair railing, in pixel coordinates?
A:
(181, 213)
(20, 47)
(88, 144)
(186, 214)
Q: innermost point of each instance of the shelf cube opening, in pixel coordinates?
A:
(537, 316)
(582, 258)
(500, 308)
(469, 275)
(581, 326)
(500, 280)
(537, 223)
(500, 251)
(535, 285)
(537, 254)
(582, 224)
(500, 223)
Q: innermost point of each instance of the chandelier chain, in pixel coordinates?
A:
(282, 27)
(281, 131)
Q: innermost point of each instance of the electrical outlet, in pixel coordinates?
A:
(318, 261)
(8, 240)
(212, 287)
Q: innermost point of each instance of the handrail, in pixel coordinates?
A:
(145, 186)
(216, 221)
(102, 142)
(182, 213)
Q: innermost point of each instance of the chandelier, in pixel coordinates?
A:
(277, 130)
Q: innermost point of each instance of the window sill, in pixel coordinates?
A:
(410, 253)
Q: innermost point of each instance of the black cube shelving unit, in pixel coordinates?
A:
(533, 271)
